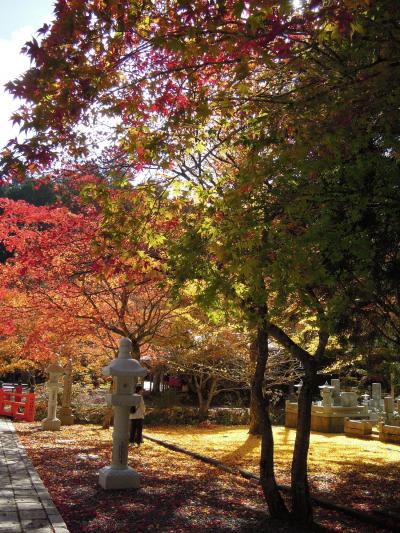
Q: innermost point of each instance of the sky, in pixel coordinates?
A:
(19, 21)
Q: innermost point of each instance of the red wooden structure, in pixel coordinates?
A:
(17, 403)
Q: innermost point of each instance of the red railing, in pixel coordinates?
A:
(17, 403)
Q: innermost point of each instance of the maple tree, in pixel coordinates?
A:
(61, 272)
(184, 80)
(212, 357)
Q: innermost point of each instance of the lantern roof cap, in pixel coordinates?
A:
(55, 368)
(124, 365)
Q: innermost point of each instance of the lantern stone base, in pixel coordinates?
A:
(53, 424)
(111, 478)
(66, 416)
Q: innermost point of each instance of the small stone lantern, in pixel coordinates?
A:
(298, 387)
(52, 423)
(125, 372)
(326, 393)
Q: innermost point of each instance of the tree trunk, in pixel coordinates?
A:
(206, 398)
(157, 376)
(276, 505)
(204, 406)
(135, 349)
(255, 421)
(203, 411)
(301, 501)
(109, 412)
(107, 418)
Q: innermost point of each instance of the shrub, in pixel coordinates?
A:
(41, 410)
(230, 416)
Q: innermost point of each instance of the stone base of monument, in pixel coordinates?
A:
(357, 428)
(112, 478)
(389, 433)
(66, 416)
(324, 419)
(51, 425)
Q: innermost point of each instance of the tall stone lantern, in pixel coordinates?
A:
(125, 372)
(66, 416)
(51, 422)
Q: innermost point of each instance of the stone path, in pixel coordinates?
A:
(25, 504)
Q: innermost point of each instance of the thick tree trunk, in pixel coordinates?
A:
(276, 505)
(157, 377)
(203, 412)
(301, 501)
(135, 349)
(255, 421)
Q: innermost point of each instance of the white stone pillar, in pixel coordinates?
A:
(377, 394)
(125, 372)
(335, 383)
(389, 404)
(51, 422)
(389, 409)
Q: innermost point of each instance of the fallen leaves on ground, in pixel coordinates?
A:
(182, 494)
(357, 472)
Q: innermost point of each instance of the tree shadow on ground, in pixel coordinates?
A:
(244, 449)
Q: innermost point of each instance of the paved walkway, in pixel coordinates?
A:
(25, 504)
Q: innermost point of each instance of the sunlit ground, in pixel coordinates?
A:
(365, 472)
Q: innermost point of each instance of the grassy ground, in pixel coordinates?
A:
(182, 494)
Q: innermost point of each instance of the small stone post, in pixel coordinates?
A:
(335, 383)
(377, 394)
(125, 372)
(66, 416)
(52, 423)
(389, 408)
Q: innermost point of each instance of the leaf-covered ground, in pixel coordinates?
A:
(357, 472)
(182, 494)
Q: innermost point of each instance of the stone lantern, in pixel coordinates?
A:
(125, 372)
(66, 416)
(326, 393)
(298, 387)
(52, 423)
